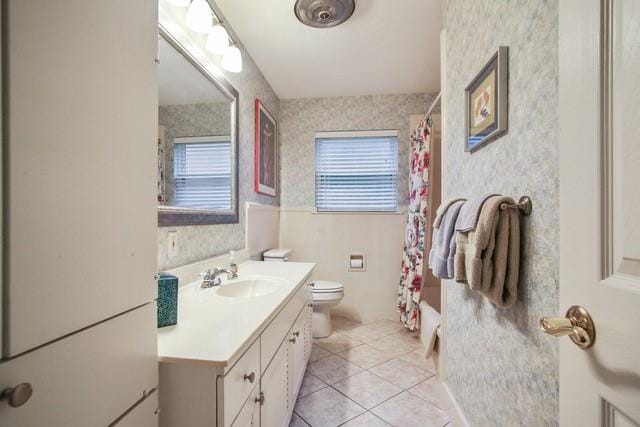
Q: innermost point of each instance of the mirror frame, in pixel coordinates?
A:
(175, 216)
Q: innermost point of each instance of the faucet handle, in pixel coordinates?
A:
(205, 273)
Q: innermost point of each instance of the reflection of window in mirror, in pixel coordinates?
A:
(196, 140)
(202, 172)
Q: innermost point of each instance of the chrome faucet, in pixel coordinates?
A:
(212, 278)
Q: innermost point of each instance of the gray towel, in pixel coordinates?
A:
(468, 216)
(443, 246)
(442, 209)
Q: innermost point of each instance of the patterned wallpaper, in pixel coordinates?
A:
(190, 120)
(199, 242)
(502, 370)
(301, 118)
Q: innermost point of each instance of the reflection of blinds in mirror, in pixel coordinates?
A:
(202, 173)
(356, 171)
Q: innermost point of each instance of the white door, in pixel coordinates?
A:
(600, 209)
(80, 110)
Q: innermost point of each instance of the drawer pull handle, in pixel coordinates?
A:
(250, 377)
(309, 305)
(293, 340)
(18, 395)
(296, 334)
(260, 399)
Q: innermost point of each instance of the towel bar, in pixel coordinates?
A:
(524, 205)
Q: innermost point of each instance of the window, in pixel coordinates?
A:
(202, 172)
(357, 171)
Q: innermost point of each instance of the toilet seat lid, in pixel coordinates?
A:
(327, 286)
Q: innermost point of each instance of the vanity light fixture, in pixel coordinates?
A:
(180, 3)
(199, 16)
(218, 40)
(232, 59)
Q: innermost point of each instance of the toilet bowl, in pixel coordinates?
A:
(326, 295)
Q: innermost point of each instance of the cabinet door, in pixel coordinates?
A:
(297, 362)
(249, 415)
(80, 109)
(87, 379)
(274, 412)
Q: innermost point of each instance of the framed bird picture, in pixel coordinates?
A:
(487, 102)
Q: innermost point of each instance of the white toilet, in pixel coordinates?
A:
(326, 295)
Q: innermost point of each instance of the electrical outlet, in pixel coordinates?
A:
(172, 241)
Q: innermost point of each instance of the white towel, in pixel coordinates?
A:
(429, 324)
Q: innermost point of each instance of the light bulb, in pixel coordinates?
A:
(218, 40)
(199, 16)
(232, 59)
(180, 3)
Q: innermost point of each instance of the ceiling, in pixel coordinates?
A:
(180, 83)
(386, 47)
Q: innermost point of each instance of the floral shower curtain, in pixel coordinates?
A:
(413, 256)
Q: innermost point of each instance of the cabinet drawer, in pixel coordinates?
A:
(279, 327)
(236, 385)
(145, 414)
(89, 378)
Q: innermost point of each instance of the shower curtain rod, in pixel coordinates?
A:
(433, 105)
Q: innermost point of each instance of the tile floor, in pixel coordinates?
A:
(371, 375)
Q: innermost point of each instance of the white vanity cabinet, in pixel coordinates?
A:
(259, 388)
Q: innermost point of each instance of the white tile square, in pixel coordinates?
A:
(418, 358)
(367, 389)
(408, 410)
(333, 369)
(327, 408)
(318, 353)
(310, 384)
(397, 344)
(433, 392)
(296, 421)
(339, 323)
(401, 373)
(366, 420)
(365, 356)
(366, 333)
(389, 326)
(337, 342)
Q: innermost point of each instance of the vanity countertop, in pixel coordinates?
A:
(214, 329)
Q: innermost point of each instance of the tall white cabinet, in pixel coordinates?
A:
(79, 122)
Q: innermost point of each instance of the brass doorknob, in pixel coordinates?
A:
(577, 323)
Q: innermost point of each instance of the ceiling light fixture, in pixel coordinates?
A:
(232, 59)
(199, 16)
(324, 13)
(218, 40)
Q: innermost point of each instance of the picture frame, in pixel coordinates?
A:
(487, 102)
(266, 151)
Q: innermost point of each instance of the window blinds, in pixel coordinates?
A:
(356, 173)
(202, 173)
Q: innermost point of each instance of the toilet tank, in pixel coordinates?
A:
(277, 255)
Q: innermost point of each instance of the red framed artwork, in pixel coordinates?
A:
(266, 154)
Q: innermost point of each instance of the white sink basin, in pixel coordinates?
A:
(250, 287)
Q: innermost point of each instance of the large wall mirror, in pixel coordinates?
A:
(197, 141)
